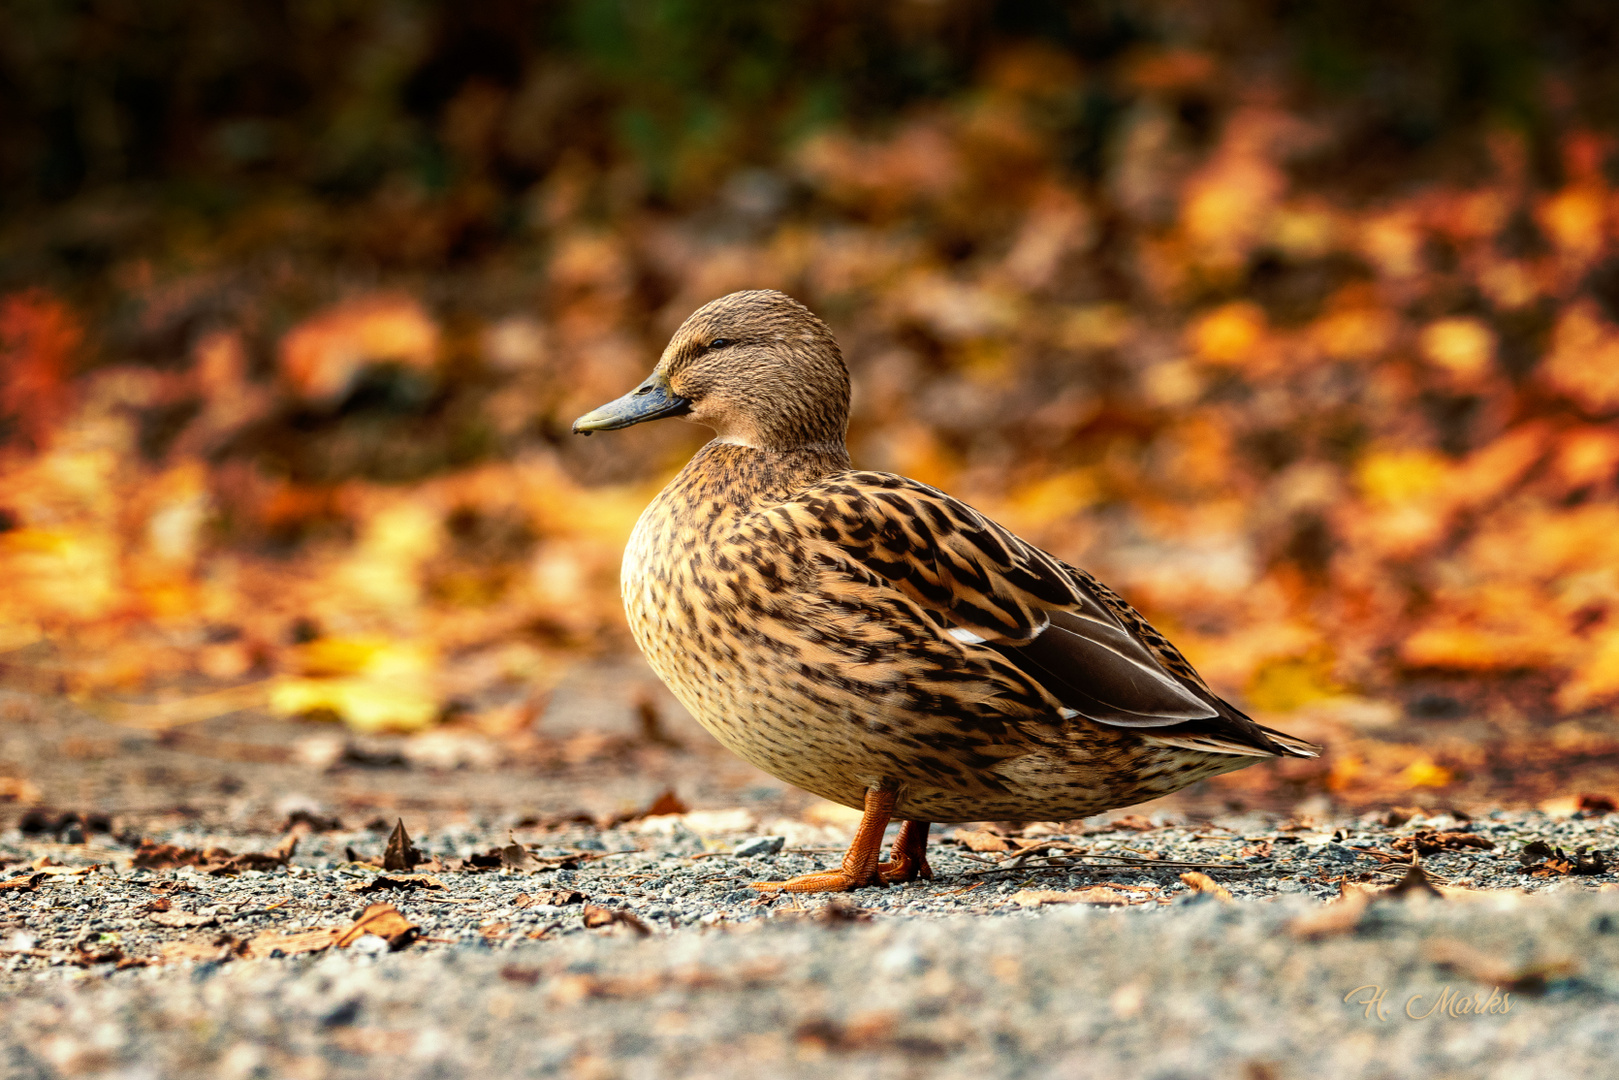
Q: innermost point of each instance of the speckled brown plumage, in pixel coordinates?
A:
(857, 632)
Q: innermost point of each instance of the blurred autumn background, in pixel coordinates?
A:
(1298, 323)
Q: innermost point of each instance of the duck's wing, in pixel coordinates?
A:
(986, 588)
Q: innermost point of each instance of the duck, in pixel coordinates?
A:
(874, 641)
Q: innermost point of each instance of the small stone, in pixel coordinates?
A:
(759, 845)
(370, 945)
(1337, 852)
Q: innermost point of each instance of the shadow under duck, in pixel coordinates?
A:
(874, 641)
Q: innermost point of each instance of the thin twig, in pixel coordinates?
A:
(1134, 865)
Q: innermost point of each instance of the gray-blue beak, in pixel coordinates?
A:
(652, 400)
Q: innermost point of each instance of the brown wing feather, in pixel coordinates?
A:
(1061, 627)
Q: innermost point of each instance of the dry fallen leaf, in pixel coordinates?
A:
(181, 920)
(515, 856)
(1200, 882)
(24, 883)
(388, 882)
(383, 920)
(268, 944)
(216, 861)
(667, 802)
(596, 916)
(554, 897)
(980, 840)
(1135, 822)
(222, 948)
(401, 853)
(1429, 842)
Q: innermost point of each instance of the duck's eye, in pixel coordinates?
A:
(719, 343)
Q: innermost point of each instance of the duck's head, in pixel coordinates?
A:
(758, 367)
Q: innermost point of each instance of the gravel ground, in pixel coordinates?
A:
(623, 944)
(639, 950)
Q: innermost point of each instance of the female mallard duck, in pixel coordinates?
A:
(874, 641)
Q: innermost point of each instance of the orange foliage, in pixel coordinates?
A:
(1318, 499)
(38, 336)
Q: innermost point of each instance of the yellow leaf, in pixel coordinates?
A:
(1595, 680)
(1401, 475)
(1282, 685)
(1464, 347)
(366, 705)
(1229, 335)
(1424, 773)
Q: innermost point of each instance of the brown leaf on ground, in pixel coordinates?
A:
(383, 920)
(307, 941)
(216, 861)
(667, 802)
(1134, 822)
(1263, 849)
(222, 948)
(24, 883)
(488, 860)
(401, 853)
(1429, 842)
(1492, 970)
(181, 920)
(980, 840)
(51, 868)
(389, 882)
(1040, 897)
(90, 955)
(596, 916)
(554, 897)
(155, 856)
(1555, 862)
(1535, 850)
(1201, 882)
(515, 856)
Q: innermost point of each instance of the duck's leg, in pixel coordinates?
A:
(859, 865)
(908, 860)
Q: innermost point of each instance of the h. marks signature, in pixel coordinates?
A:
(1374, 999)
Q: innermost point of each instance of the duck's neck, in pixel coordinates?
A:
(745, 478)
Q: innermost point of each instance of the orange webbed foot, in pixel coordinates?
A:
(839, 880)
(859, 867)
(908, 860)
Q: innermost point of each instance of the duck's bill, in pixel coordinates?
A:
(650, 401)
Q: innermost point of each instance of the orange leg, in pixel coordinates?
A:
(859, 865)
(909, 857)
